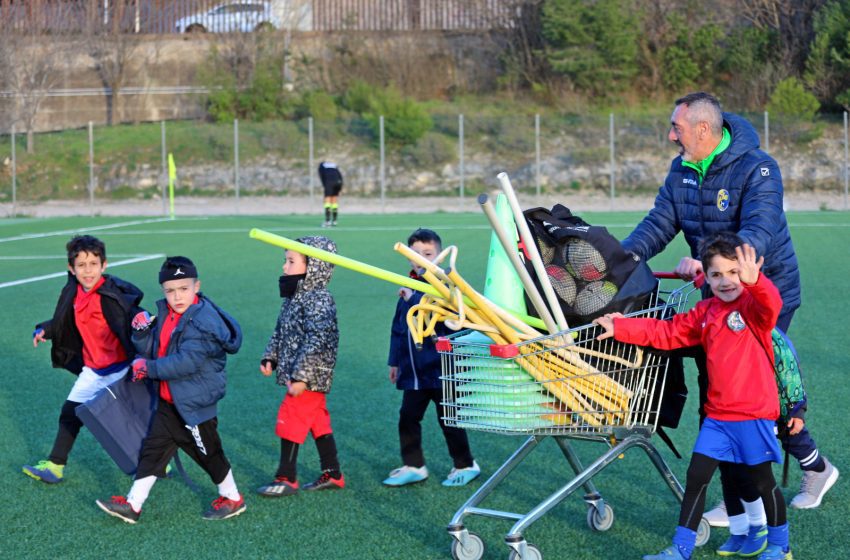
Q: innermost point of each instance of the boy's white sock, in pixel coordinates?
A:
(139, 492)
(227, 487)
(739, 524)
(755, 512)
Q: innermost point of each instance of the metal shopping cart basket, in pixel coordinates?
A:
(565, 386)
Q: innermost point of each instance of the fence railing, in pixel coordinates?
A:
(610, 155)
(163, 16)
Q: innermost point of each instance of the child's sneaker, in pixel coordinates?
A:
(717, 517)
(755, 542)
(326, 482)
(326, 224)
(119, 507)
(775, 552)
(405, 475)
(813, 486)
(462, 477)
(281, 486)
(670, 553)
(46, 471)
(732, 545)
(225, 508)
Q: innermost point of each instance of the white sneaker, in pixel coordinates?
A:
(718, 516)
(405, 475)
(813, 486)
(462, 477)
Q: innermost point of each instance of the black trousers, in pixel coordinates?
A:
(169, 432)
(414, 403)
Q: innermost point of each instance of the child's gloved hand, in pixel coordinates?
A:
(140, 369)
(267, 366)
(142, 321)
(37, 337)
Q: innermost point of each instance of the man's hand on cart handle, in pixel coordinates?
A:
(688, 269)
(607, 323)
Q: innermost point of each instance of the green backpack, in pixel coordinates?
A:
(789, 378)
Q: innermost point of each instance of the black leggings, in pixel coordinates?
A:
(701, 470)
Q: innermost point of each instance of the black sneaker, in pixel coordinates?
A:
(225, 508)
(119, 507)
(280, 486)
(326, 482)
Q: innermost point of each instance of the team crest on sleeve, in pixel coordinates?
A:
(765, 172)
(735, 322)
(722, 200)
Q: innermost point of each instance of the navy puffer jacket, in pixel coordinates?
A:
(741, 192)
(417, 369)
(194, 364)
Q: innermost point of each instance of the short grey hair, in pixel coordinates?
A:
(703, 107)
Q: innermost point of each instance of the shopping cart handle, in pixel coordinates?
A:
(699, 280)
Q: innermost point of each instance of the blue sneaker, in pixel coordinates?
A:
(405, 475)
(755, 543)
(670, 553)
(46, 471)
(732, 545)
(775, 552)
(462, 477)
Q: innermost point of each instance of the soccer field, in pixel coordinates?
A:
(366, 520)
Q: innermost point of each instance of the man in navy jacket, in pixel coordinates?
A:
(722, 181)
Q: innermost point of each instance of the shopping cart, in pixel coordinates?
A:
(565, 386)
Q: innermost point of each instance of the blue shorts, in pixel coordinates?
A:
(750, 442)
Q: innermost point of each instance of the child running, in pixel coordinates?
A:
(416, 372)
(91, 337)
(734, 326)
(185, 348)
(302, 350)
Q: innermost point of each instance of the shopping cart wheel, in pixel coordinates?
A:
(703, 532)
(598, 522)
(474, 549)
(531, 553)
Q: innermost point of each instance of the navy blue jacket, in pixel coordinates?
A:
(195, 359)
(741, 192)
(417, 369)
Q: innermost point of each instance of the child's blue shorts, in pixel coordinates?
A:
(751, 442)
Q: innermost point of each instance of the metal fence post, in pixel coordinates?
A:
(91, 169)
(164, 175)
(236, 159)
(15, 175)
(383, 185)
(311, 156)
(846, 168)
(537, 153)
(613, 169)
(460, 152)
(766, 132)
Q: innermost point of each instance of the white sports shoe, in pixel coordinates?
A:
(462, 477)
(405, 475)
(718, 516)
(813, 486)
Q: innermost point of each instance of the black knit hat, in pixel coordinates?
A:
(177, 268)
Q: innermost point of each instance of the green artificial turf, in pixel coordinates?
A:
(366, 520)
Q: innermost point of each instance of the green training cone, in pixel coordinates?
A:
(502, 285)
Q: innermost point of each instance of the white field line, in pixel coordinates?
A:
(63, 273)
(60, 257)
(81, 230)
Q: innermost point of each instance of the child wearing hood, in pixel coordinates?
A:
(302, 351)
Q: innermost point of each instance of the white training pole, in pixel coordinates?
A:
(510, 248)
(533, 253)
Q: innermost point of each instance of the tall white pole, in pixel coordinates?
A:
(236, 159)
(15, 174)
(91, 169)
(846, 163)
(460, 152)
(537, 154)
(164, 170)
(382, 176)
(613, 159)
(311, 157)
(766, 132)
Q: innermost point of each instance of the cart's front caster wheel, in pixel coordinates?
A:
(474, 549)
(703, 532)
(598, 522)
(531, 553)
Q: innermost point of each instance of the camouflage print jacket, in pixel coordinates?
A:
(305, 339)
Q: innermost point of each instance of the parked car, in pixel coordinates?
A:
(233, 16)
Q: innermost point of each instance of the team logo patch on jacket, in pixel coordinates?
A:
(735, 322)
(722, 200)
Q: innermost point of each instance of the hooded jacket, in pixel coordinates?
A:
(194, 364)
(119, 301)
(741, 192)
(306, 337)
(417, 368)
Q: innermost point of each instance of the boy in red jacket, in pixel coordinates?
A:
(735, 328)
